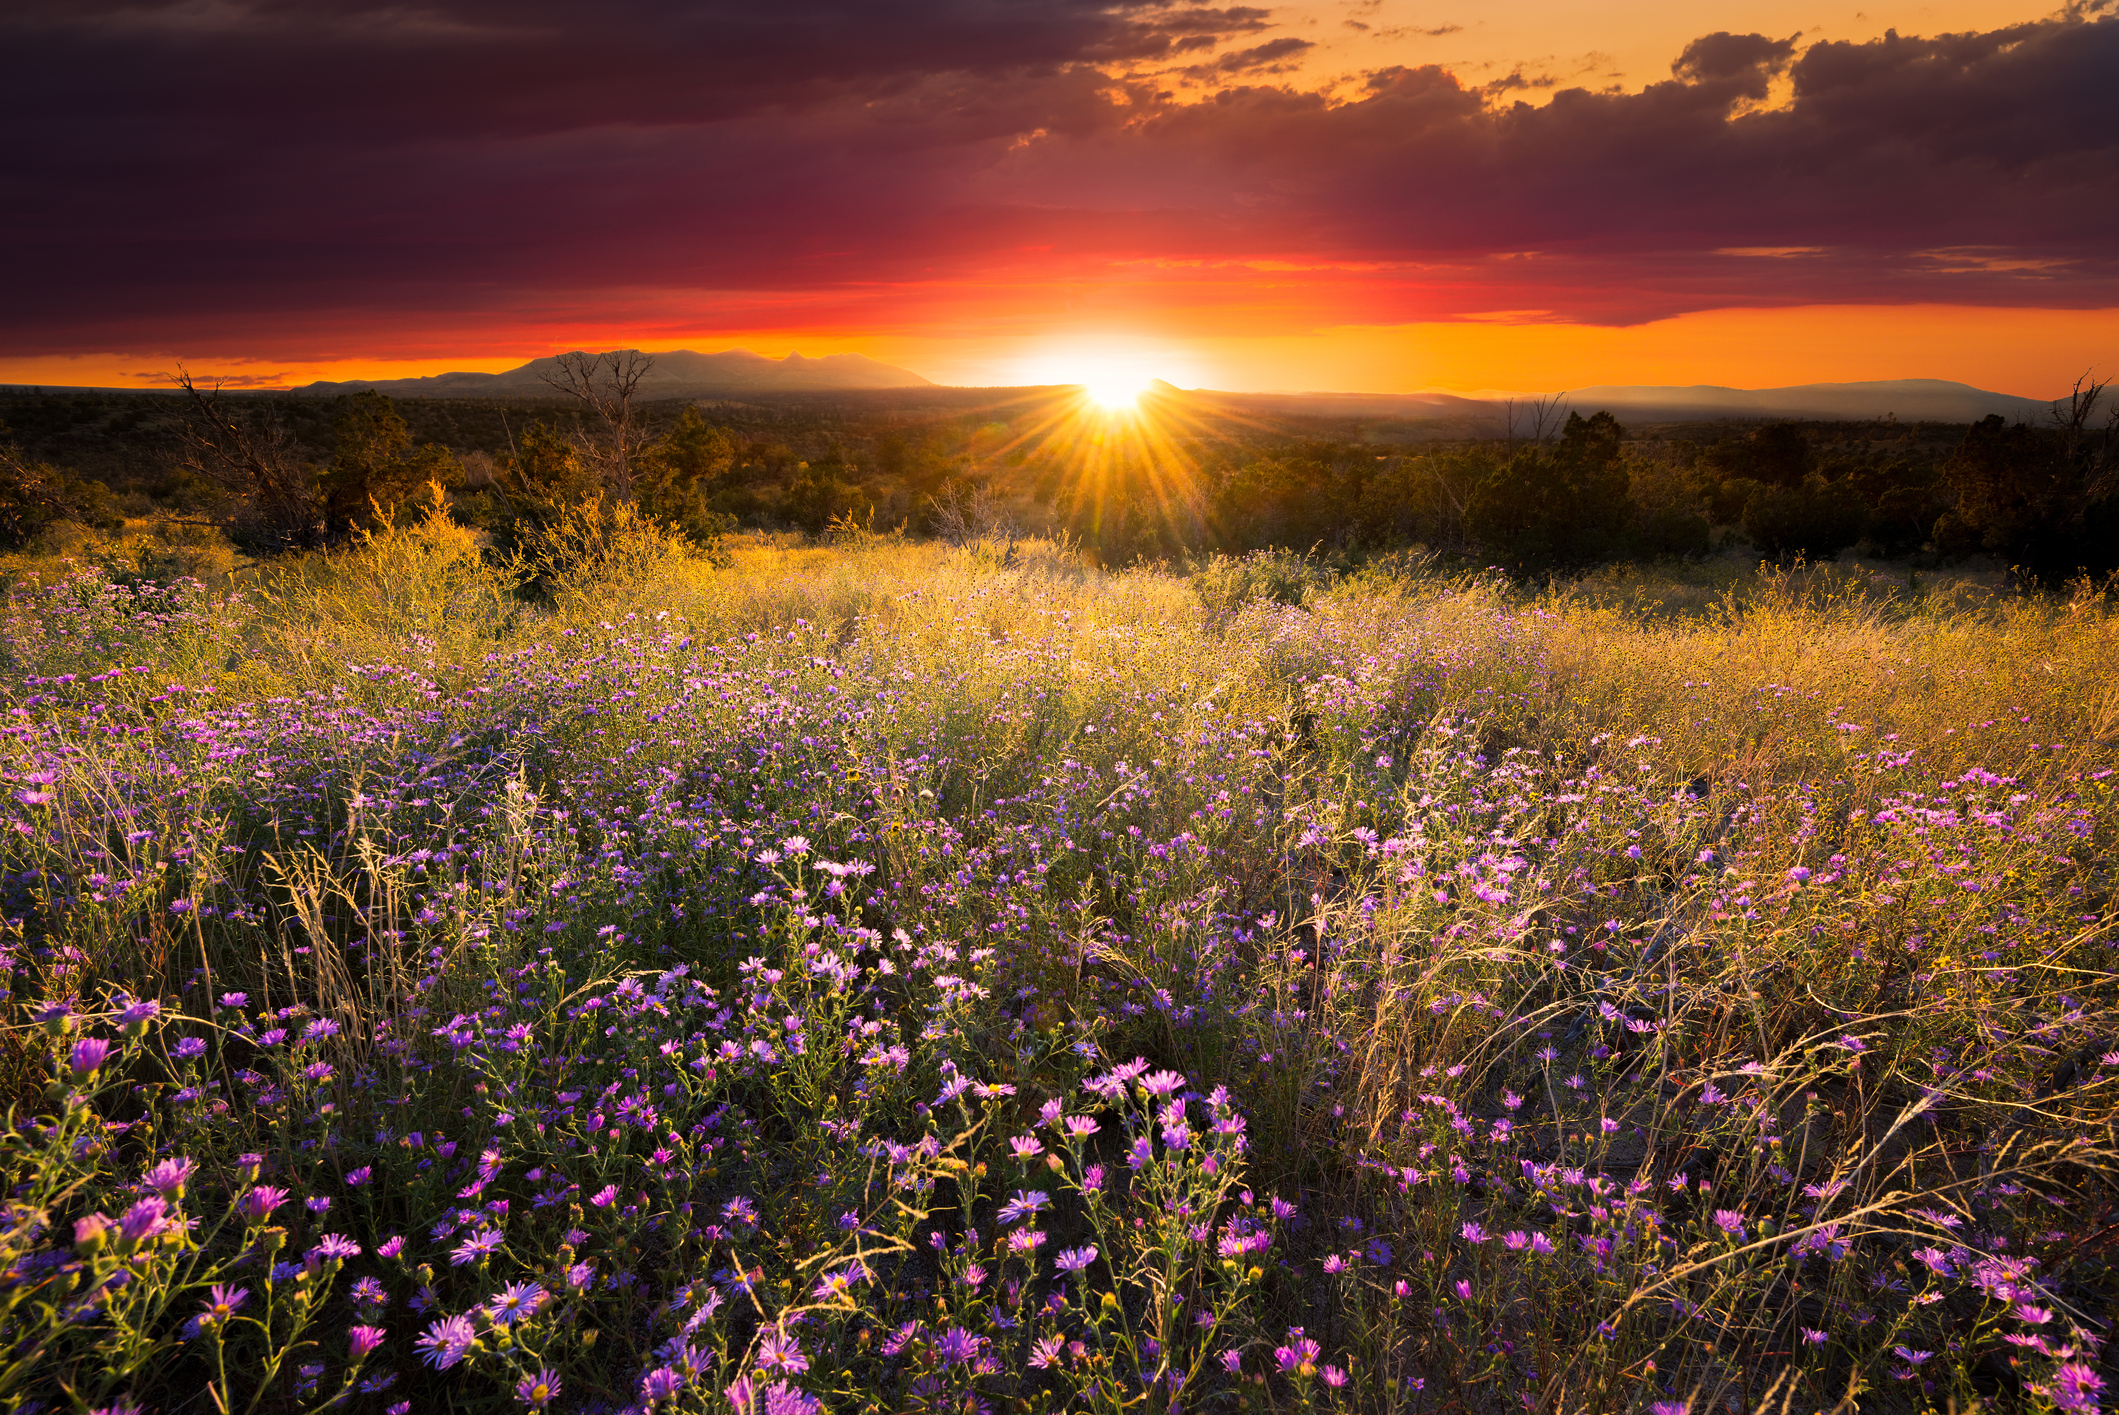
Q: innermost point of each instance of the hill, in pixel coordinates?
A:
(1907, 399)
(678, 373)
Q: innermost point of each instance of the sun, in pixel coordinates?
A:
(1116, 392)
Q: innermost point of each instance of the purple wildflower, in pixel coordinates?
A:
(536, 1391)
(447, 1342)
(257, 1204)
(87, 1055)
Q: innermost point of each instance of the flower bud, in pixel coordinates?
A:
(91, 1233)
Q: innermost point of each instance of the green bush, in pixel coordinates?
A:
(1557, 509)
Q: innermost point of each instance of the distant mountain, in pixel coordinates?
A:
(1908, 399)
(680, 373)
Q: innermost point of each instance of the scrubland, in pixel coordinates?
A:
(890, 976)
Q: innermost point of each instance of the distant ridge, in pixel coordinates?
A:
(1907, 399)
(679, 373)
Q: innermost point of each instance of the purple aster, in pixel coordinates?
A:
(1073, 1260)
(516, 1300)
(144, 1220)
(361, 1341)
(1299, 1352)
(257, 1204)
(477, 1248)
(139, 1014)
(169, 1177)
(777, 1351)
(957, 1345)
(222, 1302)
(447, 1342)
(1023, 1205)
(87, 1055)
(537, 1391)
(335, 1247)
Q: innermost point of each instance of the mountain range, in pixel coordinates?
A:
(679, 373)
(1907, 399)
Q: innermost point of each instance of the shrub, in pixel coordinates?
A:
(1563, 508)
(1814, 521)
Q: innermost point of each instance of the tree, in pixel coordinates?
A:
(608, 384)
(675, 478)
(2041, 498)
(1814, 521)
(1566, 507)
(376, 469)
(271, 494)
(36, 495)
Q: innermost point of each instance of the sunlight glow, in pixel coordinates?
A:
(1116, 392)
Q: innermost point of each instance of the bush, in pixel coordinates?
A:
(1559, 509)
(1814, 521)
(1227, 583)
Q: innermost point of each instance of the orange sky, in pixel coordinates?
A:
(1357, 195)
(2033, 353)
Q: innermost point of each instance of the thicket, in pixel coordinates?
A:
(1168, 484)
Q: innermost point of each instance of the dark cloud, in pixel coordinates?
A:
(1270, 57)
(1723, 55)
(352, 181)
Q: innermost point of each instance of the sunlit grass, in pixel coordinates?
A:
(1688, 988)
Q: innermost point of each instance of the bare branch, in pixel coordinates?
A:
(260, 469)
(607, 383)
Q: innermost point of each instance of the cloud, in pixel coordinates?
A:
(359, 178)
(1270, 57)
(1723, 55)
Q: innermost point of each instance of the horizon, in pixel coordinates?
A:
(1357, 196)
(1135, 385)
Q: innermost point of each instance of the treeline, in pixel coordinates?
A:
(2044, 501)
(280, 473)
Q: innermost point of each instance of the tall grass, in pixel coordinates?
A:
(676, 979)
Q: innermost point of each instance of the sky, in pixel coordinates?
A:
(1360, 195)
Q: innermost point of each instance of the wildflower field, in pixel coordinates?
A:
(895, 977)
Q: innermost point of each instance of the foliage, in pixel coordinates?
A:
(1815, 520)
(1175, 483)
(1561, 508)
(2044, 500)
(35, 495)
(674, 479)
(376, 469)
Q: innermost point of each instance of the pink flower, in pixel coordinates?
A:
(257, 1204)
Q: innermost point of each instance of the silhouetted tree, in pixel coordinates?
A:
(608, 384)
(271, 495)
(2041, 498)
(1556, 509)
(36, 495)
